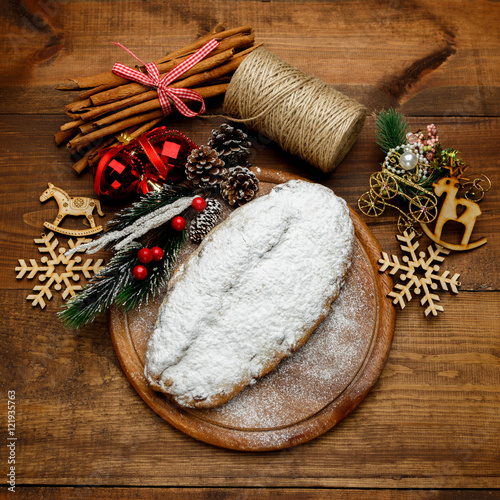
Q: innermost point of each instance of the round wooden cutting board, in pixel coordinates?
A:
(309, 392)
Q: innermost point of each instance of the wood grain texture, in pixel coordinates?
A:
(413, 429)
(64, 493)
(413, 55)
(429, 429)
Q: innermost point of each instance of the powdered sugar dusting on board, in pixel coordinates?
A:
(318, 372)
(283, 396)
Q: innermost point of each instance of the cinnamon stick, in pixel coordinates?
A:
(132, 89)
(144, 128)
(194, 46)
(237, 42)
(85, 139)
(65, 135)
(91, 92)
(90, 155)
(248, 50)
(208, 76)
(94, 157)
(109, 78)
(154, 103)
(75, 106)
(96, 111)
(82, 163)
(70, 125)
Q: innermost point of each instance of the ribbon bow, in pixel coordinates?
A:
(152, 79)
(155, 169)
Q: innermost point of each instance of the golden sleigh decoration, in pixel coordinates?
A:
(389, 183)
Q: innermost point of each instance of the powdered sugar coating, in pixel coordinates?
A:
(251, 294)
(318, 373)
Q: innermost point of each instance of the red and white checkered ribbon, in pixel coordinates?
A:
(152, 79)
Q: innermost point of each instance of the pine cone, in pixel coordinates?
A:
(231, 144)
(239, 186)
(204, 168)
(205, 221)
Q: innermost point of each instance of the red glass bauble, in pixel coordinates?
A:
(156, 157)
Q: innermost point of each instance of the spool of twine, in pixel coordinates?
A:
(302, 114)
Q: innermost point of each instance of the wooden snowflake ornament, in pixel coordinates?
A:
(56, 270)
(419, 273)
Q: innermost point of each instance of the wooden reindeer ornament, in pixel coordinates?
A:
(448, 212)
(76, 206)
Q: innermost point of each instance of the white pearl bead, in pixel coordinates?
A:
(408, 161)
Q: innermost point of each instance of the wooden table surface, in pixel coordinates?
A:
(429, 429)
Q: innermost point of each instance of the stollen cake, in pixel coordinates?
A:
(251, 294)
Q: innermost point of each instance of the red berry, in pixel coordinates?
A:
(139, 272)
(178, 223)
(199, 204)
(157, 253)
(145, 255)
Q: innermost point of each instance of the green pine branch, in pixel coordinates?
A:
(148, 204)
(115, 283)
(390, 129)
(135, 293)
(101, 290)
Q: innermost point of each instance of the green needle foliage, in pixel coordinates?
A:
(135, 292)
(390, 129)
(115, 283)
(148, 204)
(102, 289)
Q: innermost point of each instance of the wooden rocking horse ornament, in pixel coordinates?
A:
(448, 212)
(76, 206)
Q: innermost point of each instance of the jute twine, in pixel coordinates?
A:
(302, 114)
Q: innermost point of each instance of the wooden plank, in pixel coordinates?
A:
(28, 147)
(431, 424)
(422, 66)
(431, 421)
(246, 493)
(373, 326)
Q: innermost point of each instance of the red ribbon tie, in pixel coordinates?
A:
(165, 93)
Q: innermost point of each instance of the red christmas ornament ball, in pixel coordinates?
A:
(199, 204)
(145, 255)
(157, 253)
(139, 272)
(178, 223)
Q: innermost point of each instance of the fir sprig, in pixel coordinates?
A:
(148, 204)
(115, 283)
(135, 293)
(101, 291)
(390, 129)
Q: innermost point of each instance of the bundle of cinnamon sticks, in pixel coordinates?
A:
(113, 109)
